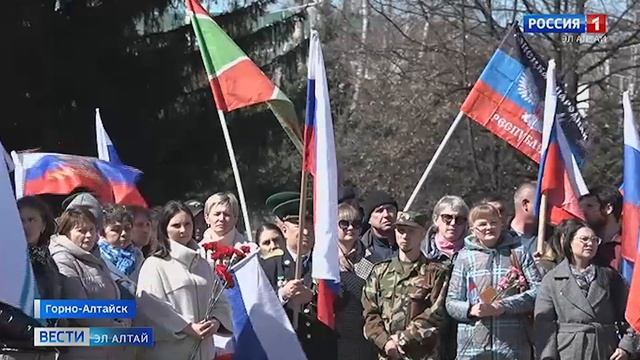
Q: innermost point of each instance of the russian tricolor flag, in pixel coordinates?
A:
(106, 149)
(51, 173)
(320, 161)
(559, 175)
(631, 213)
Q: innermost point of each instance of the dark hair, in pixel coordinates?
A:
(139, 211)
(267, 226)
(35, 203)
(607, 195)
(74, 217)
(555, 243)
(171, 209)
(566, 236)
(114, 213)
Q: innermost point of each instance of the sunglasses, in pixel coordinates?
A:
(344, 224)
(453, 219)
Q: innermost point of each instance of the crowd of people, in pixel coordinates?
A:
(459, 284)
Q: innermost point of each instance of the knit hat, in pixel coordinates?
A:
(375, 199)
(88, 201)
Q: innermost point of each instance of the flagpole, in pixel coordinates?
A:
(542, 220)
(444, 142)
(301, 225)
(236, 174)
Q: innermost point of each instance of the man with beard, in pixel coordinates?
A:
(379, 241)
(318, 341)
(602, 208)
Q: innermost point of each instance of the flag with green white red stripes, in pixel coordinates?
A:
(235, 80)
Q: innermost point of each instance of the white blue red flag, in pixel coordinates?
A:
(631, 213)
(106, 150)
(320, 161)
(17, 282)
(261, 329)
(50, 173)
(559, 175)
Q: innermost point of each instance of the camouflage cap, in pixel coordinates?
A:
(412, 218)
(287, 204)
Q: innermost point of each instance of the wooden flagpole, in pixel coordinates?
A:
(236, 174)
(301, 225)
(542, 221)
(435, 157)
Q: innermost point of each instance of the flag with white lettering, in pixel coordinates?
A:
(508, 99)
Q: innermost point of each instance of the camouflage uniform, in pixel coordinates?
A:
(400, 298)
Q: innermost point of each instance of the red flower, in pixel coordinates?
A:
(210, 246)
(239, 253)
(245, 248)
(222, 253)
(223, 272)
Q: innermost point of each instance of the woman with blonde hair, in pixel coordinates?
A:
(354, 270)
(492, 291)
(221, 212)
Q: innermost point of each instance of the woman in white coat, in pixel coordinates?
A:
(173, 292)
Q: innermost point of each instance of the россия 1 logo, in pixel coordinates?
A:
(565, 23)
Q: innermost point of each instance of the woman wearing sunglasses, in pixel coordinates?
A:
(444, 239)
(579, 311)
(446, 236)
(354, 270)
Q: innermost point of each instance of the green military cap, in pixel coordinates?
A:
(412, 218)
(287, 204)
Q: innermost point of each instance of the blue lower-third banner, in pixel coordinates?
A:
(93, 337)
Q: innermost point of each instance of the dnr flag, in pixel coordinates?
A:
(508, 99)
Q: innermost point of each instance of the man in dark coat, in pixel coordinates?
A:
(380, 211)
(318, 340)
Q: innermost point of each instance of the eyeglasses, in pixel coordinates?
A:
(594, 240)
(344, 224)
(453, 219)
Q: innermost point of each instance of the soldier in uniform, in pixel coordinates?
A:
(318, 340)
(403, 298)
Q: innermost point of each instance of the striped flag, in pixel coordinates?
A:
(106, 149)
(631, 213)
(235, 80)
(17, 281)
(261, 329)
(320, 161)
(508, 99)
(558, 175)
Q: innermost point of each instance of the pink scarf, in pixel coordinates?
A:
(447, 247)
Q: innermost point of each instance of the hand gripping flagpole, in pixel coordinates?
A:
(435, 157)
(236, 174)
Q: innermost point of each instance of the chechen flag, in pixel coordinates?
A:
(558, 176)
(631, 213)
(106, 149)
(235, 80)
(320, 161)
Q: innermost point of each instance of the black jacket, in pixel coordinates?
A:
(16, 330)
(318, 341)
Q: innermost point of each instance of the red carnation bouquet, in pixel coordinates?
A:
(224, 257)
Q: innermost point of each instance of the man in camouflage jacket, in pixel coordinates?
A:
(403, 298)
